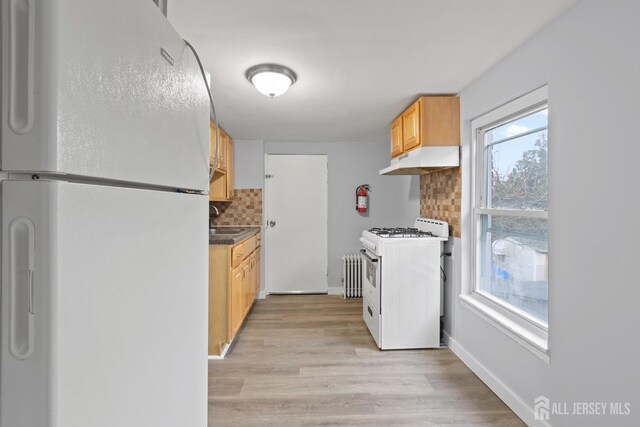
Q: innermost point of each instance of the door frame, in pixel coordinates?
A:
(265, 197)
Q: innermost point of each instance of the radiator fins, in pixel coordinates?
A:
(352, 265)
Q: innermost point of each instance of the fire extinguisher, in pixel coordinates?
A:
(362, 198)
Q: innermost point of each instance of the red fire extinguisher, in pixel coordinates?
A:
(362, 197)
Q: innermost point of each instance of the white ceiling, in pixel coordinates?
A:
(359, 62)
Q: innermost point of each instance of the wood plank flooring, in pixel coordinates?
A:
(309, 360)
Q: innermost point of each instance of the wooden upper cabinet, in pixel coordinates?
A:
(440, 120)
(229, 154)
(411, 126)
(396, 137)
(218, 187)
(430, 121)
(222, 151)
(212, 141)
(221, 185)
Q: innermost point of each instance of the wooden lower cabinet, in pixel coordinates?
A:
(237, 301)
(234, 282)
(247, 301)
(256, 274)
(253, 284)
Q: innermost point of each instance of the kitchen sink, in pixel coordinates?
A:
(214, 231)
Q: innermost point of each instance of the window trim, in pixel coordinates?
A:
(525, 329)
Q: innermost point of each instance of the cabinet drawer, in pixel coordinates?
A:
(371, 318)
(237, 254)
(249, 245)
(258, 239)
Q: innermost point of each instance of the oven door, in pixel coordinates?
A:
(371, 268)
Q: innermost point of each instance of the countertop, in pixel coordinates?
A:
(227, 236)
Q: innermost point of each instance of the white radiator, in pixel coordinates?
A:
(352, 275)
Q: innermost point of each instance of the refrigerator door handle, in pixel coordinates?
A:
(21, 291)
(21, 62)
(30, 282)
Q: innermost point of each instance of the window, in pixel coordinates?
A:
(510, 201)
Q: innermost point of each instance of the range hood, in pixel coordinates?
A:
(422, 160)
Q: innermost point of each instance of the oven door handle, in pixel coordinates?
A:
(364, 253)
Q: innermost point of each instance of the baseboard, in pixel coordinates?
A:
(334, 290)
(331, 290)
(446, 338)
(223, 353)
(513, 401)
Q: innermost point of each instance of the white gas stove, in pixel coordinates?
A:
(402, 285)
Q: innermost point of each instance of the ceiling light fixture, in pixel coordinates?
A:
(271, 79)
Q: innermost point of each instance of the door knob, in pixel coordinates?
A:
(272, 223)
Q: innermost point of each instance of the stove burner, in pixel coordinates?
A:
(400, 232)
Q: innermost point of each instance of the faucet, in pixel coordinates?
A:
(215, 208)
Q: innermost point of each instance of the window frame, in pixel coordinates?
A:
(530, 332)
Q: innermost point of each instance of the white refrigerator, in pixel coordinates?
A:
(104, 174)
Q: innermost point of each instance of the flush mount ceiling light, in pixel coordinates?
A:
(271, 79)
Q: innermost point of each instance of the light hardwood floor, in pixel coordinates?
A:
(309, 360)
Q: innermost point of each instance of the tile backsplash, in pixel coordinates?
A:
(245, 209)
(440, 196)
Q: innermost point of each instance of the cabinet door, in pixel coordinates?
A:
(246, 266)
(218, 187)
(256, 273)
(411, 127)
(222, 151)
(237, 254)
(237, 300)
(247, 283)
(396, 137)
(252, 279)
(212, 142)
(230, 183)
(256, 283)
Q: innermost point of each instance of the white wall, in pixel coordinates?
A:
(248, 164)
(393, 201)
(590, 59)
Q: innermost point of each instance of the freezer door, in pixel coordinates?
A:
(104, 306)
(103, 89)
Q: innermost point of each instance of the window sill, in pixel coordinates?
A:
(534, 341)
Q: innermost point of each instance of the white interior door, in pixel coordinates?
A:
(296, 228)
